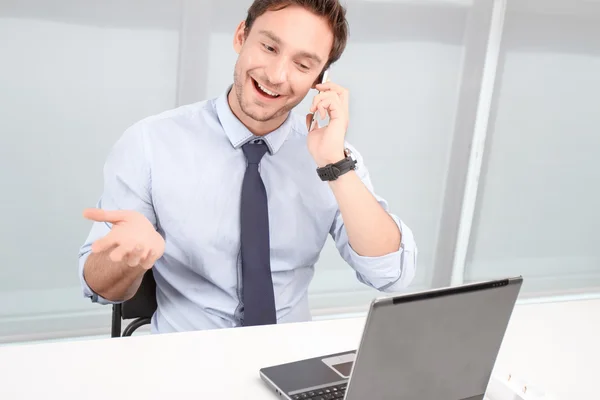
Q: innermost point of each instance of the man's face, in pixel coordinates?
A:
(279, 61)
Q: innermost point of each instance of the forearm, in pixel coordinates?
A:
(371, 230)
(114, 281)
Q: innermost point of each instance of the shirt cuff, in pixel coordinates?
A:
(390, 272)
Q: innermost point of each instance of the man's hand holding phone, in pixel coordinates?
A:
(326, 144)
(132, 239)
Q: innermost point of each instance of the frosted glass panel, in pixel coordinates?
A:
(71, 80)
(537, 212)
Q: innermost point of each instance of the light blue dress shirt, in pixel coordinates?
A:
(183, 170)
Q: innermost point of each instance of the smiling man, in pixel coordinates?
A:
(230, 200)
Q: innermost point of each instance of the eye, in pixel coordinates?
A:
(268, 48)
(303, 67)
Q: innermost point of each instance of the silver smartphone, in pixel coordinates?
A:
(314, 118)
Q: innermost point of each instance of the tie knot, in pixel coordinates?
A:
(254, 152)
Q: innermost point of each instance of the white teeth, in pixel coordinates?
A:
(267, 91)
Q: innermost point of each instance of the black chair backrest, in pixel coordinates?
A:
(143, 304)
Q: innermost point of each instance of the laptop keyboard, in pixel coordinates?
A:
(328, 393)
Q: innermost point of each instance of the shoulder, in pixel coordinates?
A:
(184, 115)
(163, 128)
(166, 125)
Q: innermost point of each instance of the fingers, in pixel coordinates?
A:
(332, 87)
(342, 92)
(318, 109)
(99, 215)
(148, 262)
(134, 257)
(136, 253)
(318, 104)
(110, 240)
(123, 249)
(327, 103)
(322, 109)
(131, 255)
(322, 87)
(119, 254)
(317, 99)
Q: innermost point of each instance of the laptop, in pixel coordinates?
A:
(438, 344)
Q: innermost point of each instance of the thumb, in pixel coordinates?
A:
(99, 215)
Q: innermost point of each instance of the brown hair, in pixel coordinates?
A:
(332, 10)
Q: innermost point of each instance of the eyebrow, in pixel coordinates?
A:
(277, 40)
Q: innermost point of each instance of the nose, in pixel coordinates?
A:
(277, 71)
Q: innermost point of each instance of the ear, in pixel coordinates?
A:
(239, 37)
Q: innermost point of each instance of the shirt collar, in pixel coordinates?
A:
(237, 132)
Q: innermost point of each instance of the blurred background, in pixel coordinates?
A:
(478, 119)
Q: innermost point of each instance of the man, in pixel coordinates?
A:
(230, 200)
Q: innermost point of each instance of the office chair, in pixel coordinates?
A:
(140, 308)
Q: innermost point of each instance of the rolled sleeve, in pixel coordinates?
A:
(390, 272)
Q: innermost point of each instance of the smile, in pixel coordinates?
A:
(264, 90)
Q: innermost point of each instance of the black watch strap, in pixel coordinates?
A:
(331, 172)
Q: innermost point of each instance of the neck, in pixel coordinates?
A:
(258, 128)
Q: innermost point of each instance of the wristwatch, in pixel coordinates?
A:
(331, 172)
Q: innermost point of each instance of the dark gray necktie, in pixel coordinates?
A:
(257, 288)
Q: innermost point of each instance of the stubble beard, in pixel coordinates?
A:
(246, 108)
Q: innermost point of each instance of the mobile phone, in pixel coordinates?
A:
(314, 118)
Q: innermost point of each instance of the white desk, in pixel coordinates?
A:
(555, 344)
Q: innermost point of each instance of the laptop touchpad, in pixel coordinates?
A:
(341, 365)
